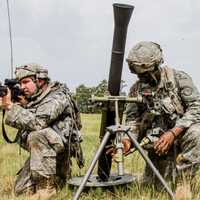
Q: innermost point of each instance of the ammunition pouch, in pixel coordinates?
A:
(146, 122)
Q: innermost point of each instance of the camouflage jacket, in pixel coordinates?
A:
(54, 107)
(178, 105)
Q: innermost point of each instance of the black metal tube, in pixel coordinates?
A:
(157, 173)
(122, 15)
(92, 165)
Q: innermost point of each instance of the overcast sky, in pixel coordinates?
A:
(73, 38)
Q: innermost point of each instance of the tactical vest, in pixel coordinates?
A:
(163, 105)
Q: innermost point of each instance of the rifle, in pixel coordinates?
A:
(14, 87)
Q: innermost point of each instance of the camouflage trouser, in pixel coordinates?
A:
(48, 158)
(188, 145)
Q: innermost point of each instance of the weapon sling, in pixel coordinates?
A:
(5, 136)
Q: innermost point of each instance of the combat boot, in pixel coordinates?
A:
(46, 190)
(30, 192)
(34, 196)
(43, 194)
(183, 191)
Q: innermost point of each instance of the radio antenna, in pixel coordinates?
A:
(10, 38)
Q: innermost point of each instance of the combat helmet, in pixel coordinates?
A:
(31, 69)
(144, 56)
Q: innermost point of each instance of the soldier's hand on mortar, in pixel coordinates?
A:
(6, 101)
(127, 145)
(164, 143)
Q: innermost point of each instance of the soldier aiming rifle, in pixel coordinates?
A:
(48, 124)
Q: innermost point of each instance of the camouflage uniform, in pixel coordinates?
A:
(175, 103)
(48, 131)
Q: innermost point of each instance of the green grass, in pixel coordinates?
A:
(11, 161)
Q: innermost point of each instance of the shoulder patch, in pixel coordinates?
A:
(187, 91)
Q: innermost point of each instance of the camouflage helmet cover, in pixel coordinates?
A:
(31, 69)
(144, 56)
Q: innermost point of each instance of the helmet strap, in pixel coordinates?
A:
(155, 74)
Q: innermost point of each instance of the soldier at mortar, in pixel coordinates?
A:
(170, 115)
(48, 124)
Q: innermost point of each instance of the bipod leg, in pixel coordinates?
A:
(151, 165)
(92, 165)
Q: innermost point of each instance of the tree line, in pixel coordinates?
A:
(84, 93)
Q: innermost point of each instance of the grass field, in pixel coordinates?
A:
(12, 159)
